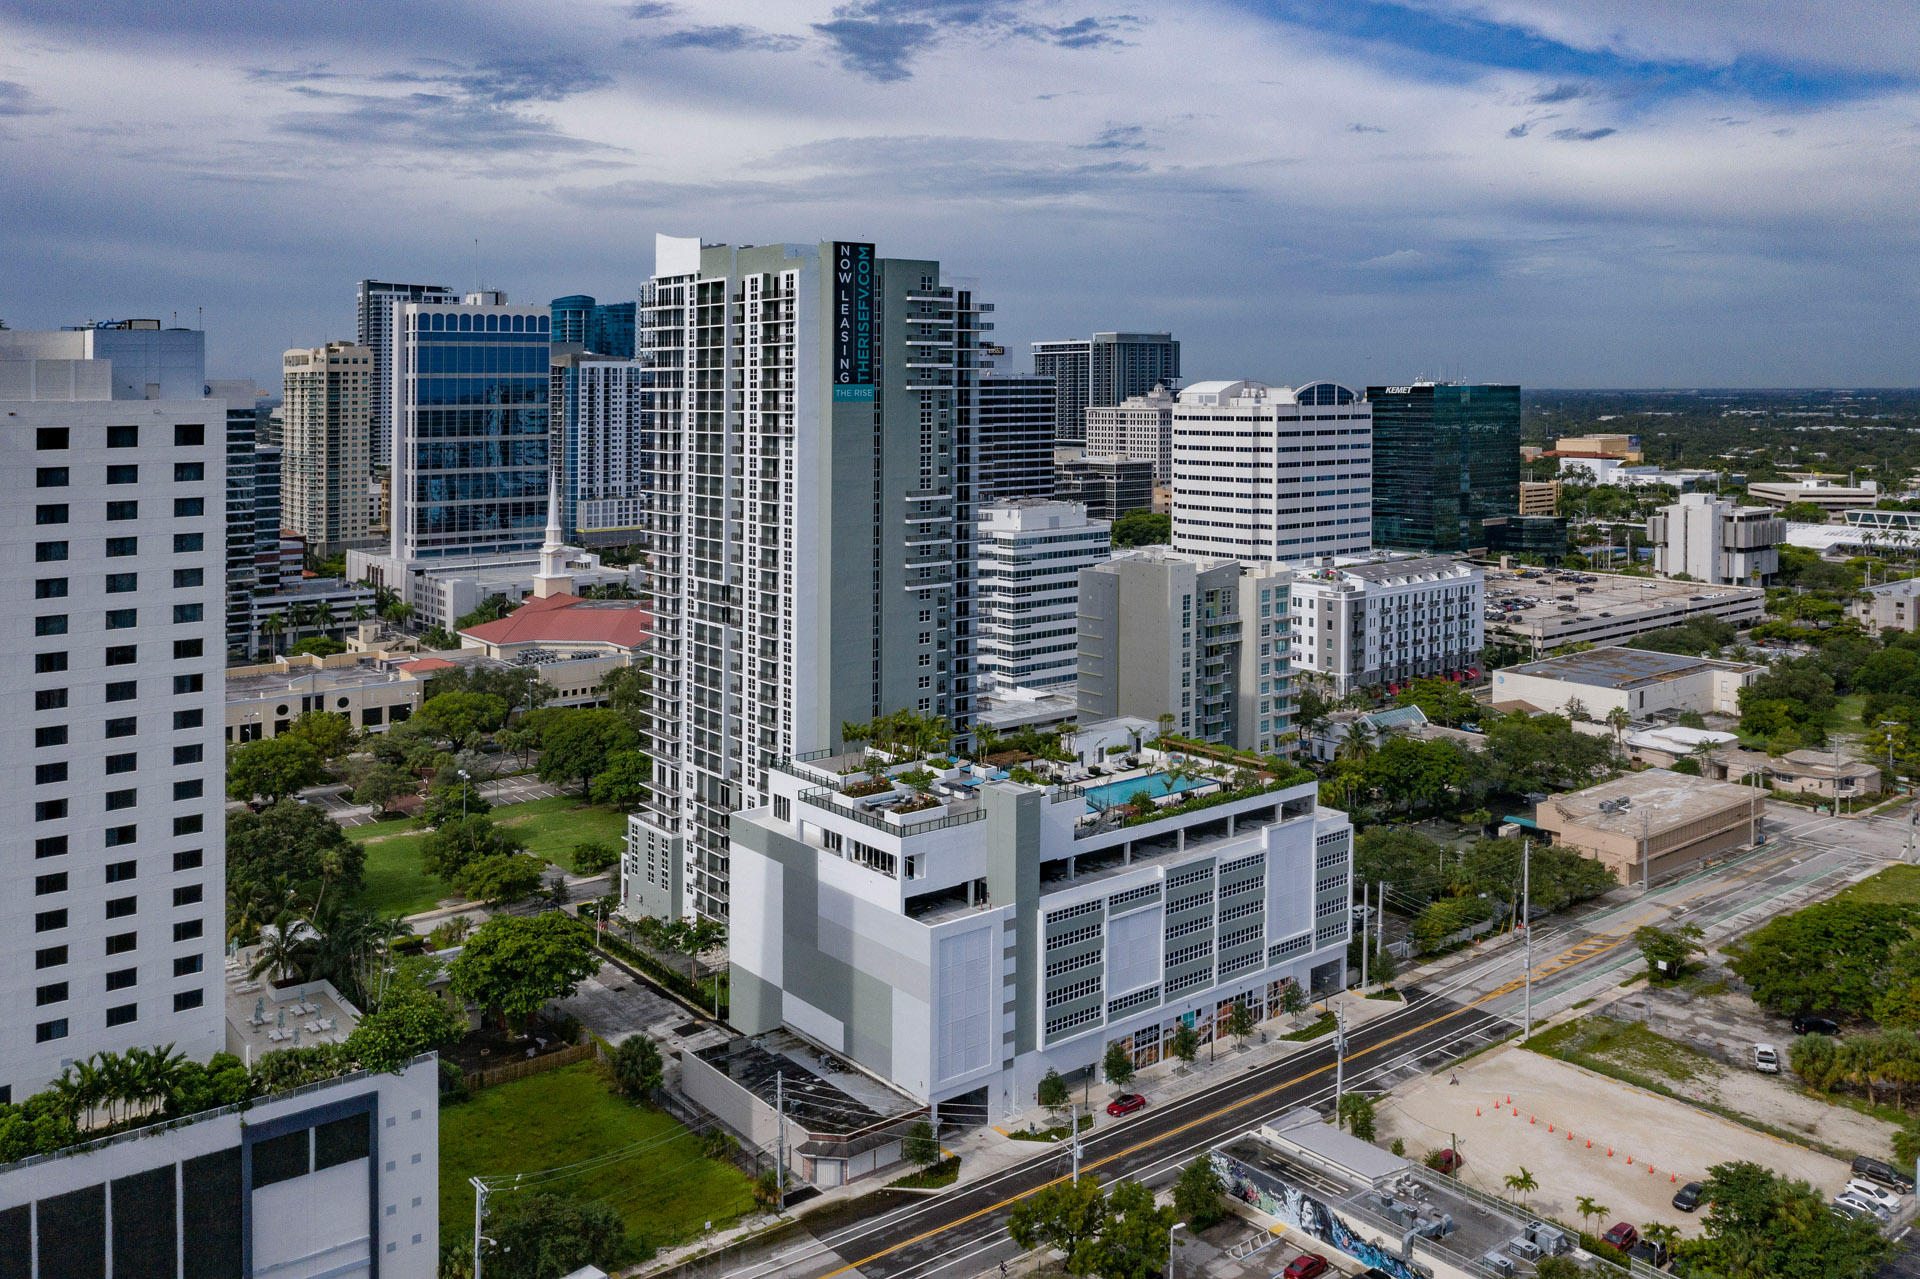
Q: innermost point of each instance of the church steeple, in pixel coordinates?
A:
(553, 578)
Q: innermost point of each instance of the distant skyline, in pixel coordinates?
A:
(1549, 192)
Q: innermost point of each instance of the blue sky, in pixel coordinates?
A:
(1559, 193)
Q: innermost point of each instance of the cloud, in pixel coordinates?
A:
(1565, 91)
(511, 80)
(1522, 129)
(647, 9)
(1365, 128)
(880, 38)
(1118, 137)
(1090, 33)
(1583, 135)
(17, 99)
(730, 38)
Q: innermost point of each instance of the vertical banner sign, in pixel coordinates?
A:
(852, 322)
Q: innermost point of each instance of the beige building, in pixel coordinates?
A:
(1650, 825)
(326, 465)
(1894, 606)
(1804, 772)
(1539, 497)
(373, 690)
(1624, 447)
(1817, 491)
(1140, 428)
(1640, 682)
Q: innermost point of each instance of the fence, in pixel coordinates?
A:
(513, 1070)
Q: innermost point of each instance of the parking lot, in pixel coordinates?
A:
(335, 802)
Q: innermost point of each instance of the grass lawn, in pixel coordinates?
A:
(395, 882)
(1845, 720)
(551, 827)
(1625, 1049)
(1897, 884)
(665, 1192)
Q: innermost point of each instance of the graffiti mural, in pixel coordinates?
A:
(1260, 1189)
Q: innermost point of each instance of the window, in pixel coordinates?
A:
(189, 754)
(189, 506)
(189, 613)
(51, 735)
(188, 999)
(53, 993)
(188, 860)
(48, 920)
(47, 663)
(121, 943)
(121, 1014)
(189, 577)
(120, 872)
(50, 513)
(49, 699)
(50, 588)
(189, 542)
(122, 978)
(50, 1030)
(189, 434)
(51, 624)
(124, 473)
(44, 884)
(49, 810)
(49, 552)
(188, 648)
(50, 437)
(123, 763)
(121, 583)
(190, 825)
(121, 907)
(50, 477)
(122, 727)
(121, 619)
(188, 930)
(51, 846)
(119, 799)
(123, 437)
(48, 774)
(124, 690)
(122, 655)
(121, 547)
(119, 836)
(189, 790)
(123, 510)
(185, 472)
(188, 719)
(50, 957)
(188, 964)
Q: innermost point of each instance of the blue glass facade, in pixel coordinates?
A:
(603, 330)
(1446, 458)
(476, 422)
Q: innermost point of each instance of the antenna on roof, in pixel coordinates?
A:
(476, 264)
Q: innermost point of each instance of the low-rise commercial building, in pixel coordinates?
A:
(1625, 448)
(1108, 487)
(1323, 743)
(1715, 541)
(573, 642)
(1821, 492)
(1605, 470)
(1541, 611)
(1642, 683)
(443, 591)
(373, 690)
(1539, 497)
(1646, 826)
(1379, 625)
(962, 940)
(1892, 606)
(1825, 774)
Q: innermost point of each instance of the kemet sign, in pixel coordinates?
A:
(852, 321)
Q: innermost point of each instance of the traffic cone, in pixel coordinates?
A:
(1609, 1152)
(1589, 1143)
(1549, 1127)
(1629, 1161)
(1476, 1112)
(1672, 1177)
(1532, 1120)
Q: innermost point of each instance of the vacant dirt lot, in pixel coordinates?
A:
(1555, 1099)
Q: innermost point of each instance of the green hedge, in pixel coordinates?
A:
(661, 974)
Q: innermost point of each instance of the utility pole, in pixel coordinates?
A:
(1380, 927)
(1365, 899)
(1526, 913)
(1073, 1137)
(479, 1215)
(780, 1117)
(1339, 1058)
(1646, 849)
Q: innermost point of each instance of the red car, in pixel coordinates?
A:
(1126, 1103)
(1623, 1236)
(1306, 1266)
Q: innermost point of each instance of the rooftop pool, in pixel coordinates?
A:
(1155, 784)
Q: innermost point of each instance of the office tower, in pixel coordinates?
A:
(327, 445)
(377, 299)
(809, 479)
(1540, 537)
(266, 518)
(596, 407)
(1139, 428)
(1108, 487)
(1377, 626)
(1446, 455)
(1270, 472)
(1102, 370)
(1201, 639)
(602, 330)
(113, 938)
(1716, 541)
(470, 385)
(1031, 554)
(1014, 430)
(243, 422)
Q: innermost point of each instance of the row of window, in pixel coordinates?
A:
(1193, 875)
(56, 588)
(118, 1015)
(119, 437)
(1074, 990)
(116, 548)
(59, 477)
(1073, 964)
(1083, 933)
(126, 509)
(116, 619)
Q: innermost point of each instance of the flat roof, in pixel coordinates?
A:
(1623, 667)
(1307, 1132)
(1656, 801)
(822, 1092)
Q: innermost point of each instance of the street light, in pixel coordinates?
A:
(1178, 1225)
(464, 779)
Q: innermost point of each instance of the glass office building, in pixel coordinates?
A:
(471, 467)
(1446, 457)
(603, 330)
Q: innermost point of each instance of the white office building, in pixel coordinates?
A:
(1376, 626)
(1031, 554)
(1139, 428)
(1715, 541)
(1272, 472)
(327, 440)
(374, 310)
(115, 554)
(961, 942)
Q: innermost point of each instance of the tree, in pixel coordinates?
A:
(1554, 1267)
(1833, 954)
(1068, 1216)
(536, 1235)
(296, 843)
(1357, 1114)
(1589, 1208)
(1666, 949)
(1240, 1021)
(1196, 1195)
(592, 856)
(1661, 1235)
(1052, 1092)
(577, 744)
(1293, 999)
(1617, 719)
(1522, 1183)
(514, 964)
(272, 768)
(1185, 1043)
(463, 842)
(1441, 701)
(410, 1020)
(623, 782)
(462, 718)
(460, 798)
(920, 1146)
(1763, 1225)
(1138, 1234)
(637, 1067)
(381, 784)
(317, 646)
(503, 879)
(1142, 528)
(1816, 1059)
(1117, 1065)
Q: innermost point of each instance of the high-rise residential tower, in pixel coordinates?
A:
(1102, 370)
(596, 406)
(470, 387)
(243, 480)
(1031, 554)
(1014, 437)
(374, 314)
(1271, 472)
(1446, 456)
(603, 329)
(809, 479)
(111, 936)
(327, 442)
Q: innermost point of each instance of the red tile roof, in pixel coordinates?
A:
(428, 664)
(568, 619)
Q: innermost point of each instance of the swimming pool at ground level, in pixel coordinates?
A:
(1155, 784)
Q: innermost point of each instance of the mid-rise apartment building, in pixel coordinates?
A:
(374, 310)
(1139, 428)
(1713, 540)
(1203, 640)
(596, 404)
(1108, 487)
(1104, 369)
(1031, 554)
(1014, 429)
(115, 531)
(1272, 472)
(469, 392)
(810, 474)
(1374, 626)
(963, 941)
(327, 445)
(1446, 457)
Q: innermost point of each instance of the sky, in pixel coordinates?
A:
(1554, 192)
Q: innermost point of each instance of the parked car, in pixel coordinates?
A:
(1814, 1024)
(1873, 1210)
(1623, 1235)
(1765, 1059)
(1306, 1266)
(1884, 1173)
(1859, 1188)
(1688, 1197)
(1126, 1103)
(1654, 1254)
(1852, 1210)
(1447, 1161)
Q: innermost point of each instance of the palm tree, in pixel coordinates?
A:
(360, 613)
(1588, 1208)
(302, 617)
(1522, 1183)
(1358, 743)
(1661, 1235)
(986, 741)
(279, 952)
(1617, 719)
(273, 626)
(399, 613)
(323, 616)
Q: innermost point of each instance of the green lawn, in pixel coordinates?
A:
(396, 884)
(666, 1191)
(1625, 1049)
(1897, 884)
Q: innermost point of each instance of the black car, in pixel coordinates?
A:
(1885, 1174)
(1688, 1197)
(1813, 1024)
